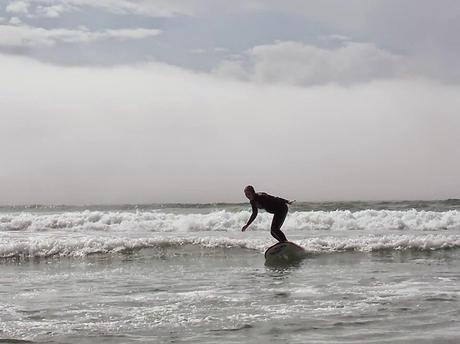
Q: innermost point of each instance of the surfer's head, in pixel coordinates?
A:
(249, 192)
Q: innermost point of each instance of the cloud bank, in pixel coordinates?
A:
(157, 133)
(300, 64)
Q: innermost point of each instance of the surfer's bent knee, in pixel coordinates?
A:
(278, 220)
(278, 235)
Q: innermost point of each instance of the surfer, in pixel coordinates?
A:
(274, 205)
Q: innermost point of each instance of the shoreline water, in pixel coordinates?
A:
(231, 297)
(188, 274)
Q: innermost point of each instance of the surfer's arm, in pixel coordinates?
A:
(252, 218)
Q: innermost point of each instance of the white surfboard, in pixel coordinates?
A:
(284, 252)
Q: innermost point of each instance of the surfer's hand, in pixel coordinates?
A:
(244, 228)
(290, 202)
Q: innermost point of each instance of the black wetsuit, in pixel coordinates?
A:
(274, 205)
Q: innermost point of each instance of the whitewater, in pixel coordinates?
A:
(379, 271)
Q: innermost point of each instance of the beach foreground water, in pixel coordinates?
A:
(188, 274)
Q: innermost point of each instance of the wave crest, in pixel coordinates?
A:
(82, 247)
(222, 220)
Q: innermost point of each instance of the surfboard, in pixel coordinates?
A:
(284, 252)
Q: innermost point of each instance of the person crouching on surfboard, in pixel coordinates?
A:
(274, 205)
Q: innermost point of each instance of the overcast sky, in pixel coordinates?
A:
(123, 101)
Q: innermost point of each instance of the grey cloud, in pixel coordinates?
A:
(53, 11)
(345, 100)
(152, 8)
(15, 21)
(422, 28)
(421, 35)
(233, 69)
(28, 36)
(299, 64)
(17, 7)
(156, 133)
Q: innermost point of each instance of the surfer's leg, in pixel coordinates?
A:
(278, 235)
(277, 222)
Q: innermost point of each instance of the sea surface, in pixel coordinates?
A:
(375, 272)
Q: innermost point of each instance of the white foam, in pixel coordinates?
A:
(82, 233)
(44, 247)
(375, 220)
(155, 221)
(429, 242)
(48, 246)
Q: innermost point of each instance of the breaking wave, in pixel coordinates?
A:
(222, 220)
(85, 233)
(82, 247)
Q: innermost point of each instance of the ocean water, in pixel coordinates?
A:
(375, 272)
